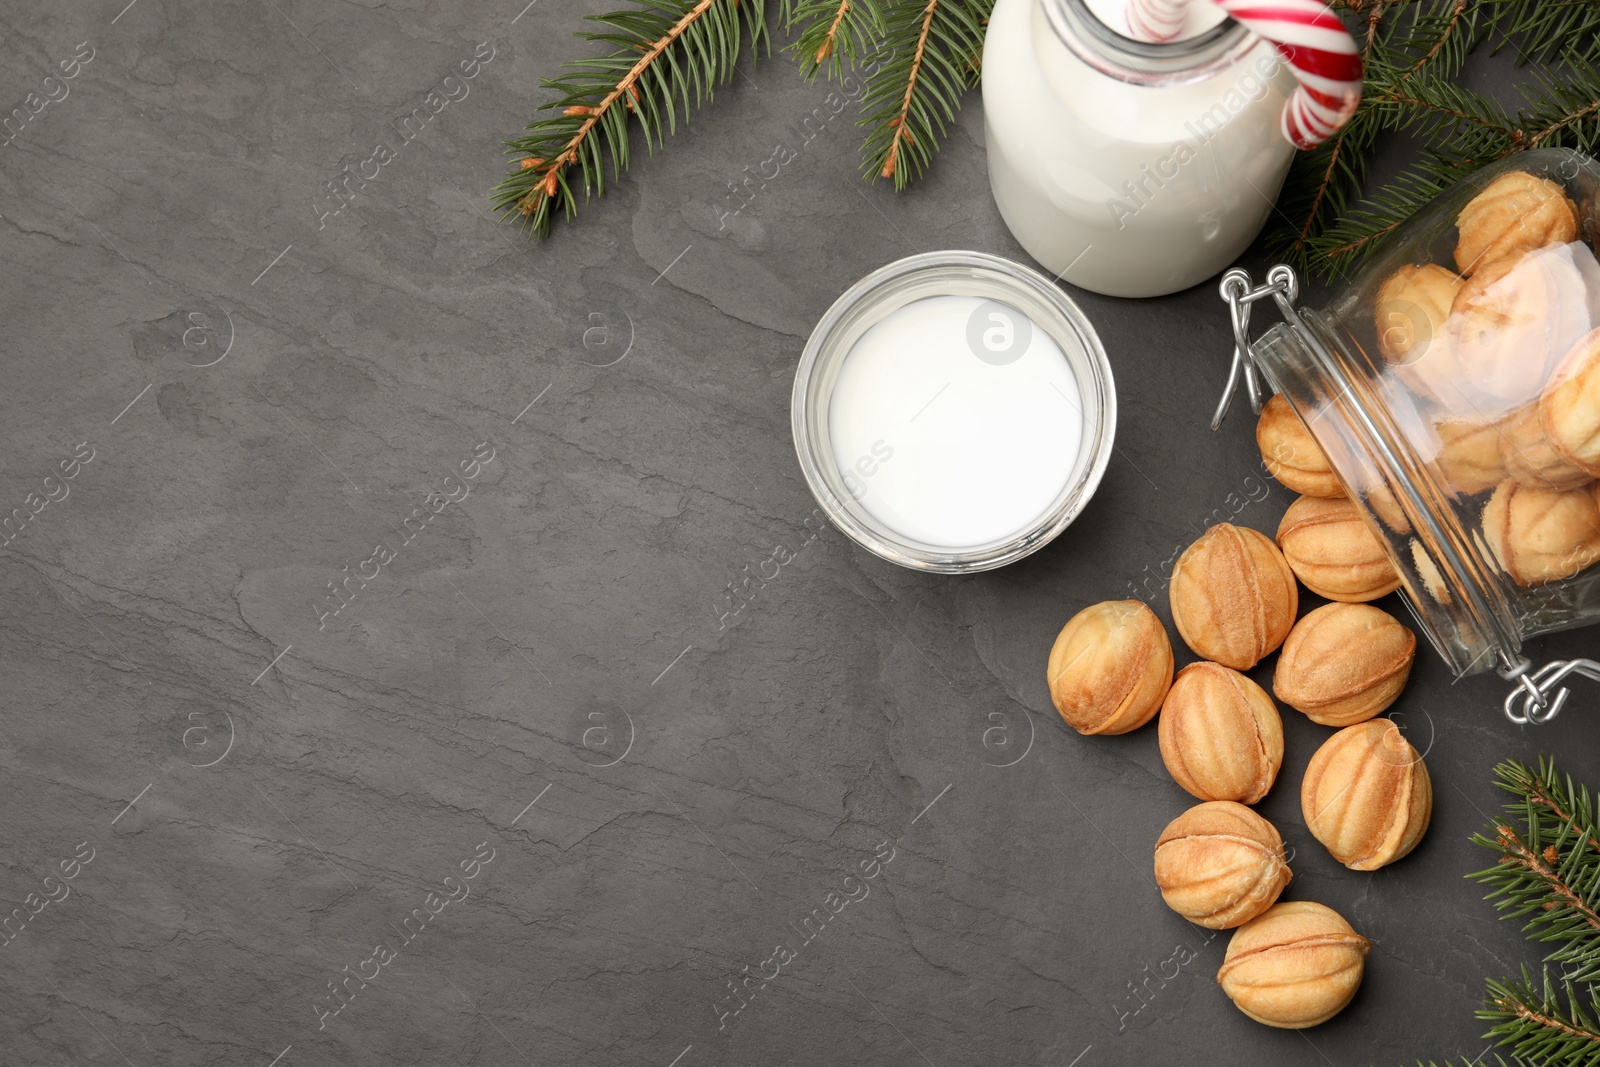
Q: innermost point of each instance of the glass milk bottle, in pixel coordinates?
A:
(1128, 168)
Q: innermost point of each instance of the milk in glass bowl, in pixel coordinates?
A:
(953, 412)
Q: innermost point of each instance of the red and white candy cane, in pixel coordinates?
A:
(1306, 33)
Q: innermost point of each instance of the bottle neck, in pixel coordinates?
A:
(1141, 62)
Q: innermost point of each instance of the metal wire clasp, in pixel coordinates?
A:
(1531, 703)
(1236, 289)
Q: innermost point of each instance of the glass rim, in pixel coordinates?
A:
(1145, 62)
(1080, 346)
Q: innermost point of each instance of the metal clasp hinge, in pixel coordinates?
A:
(1531, 703)
(1237, 290)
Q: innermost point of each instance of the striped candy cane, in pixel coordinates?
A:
(1311, 40)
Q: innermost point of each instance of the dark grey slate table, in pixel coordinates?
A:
(537, 792)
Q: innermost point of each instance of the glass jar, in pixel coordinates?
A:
(953, 412)
(1128, 168)
(1454, 386)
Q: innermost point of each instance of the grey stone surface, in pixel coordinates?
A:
(540, 679)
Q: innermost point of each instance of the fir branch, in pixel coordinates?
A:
(1549, 866)
(1545, 790)
(830, 36)
(913, 96)
(901, 134)
(1541, 30)
(1540, 1024)
(1565, 108)
(1548, 869)
(1363, 227)
(669, 54)
(833, 33)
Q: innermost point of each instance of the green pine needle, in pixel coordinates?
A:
(1549, 1023)
(834, 34)
(668, 55)
(935, 50)
(1541, 30)
(1548, 871)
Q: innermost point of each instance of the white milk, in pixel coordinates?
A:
(1123, 188)
(946, 447)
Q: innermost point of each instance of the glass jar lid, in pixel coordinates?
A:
(953, 411)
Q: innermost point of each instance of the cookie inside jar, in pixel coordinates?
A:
(1451, 388)
(1491, 350)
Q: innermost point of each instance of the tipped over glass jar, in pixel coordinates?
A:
(1454, 386)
